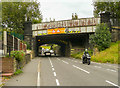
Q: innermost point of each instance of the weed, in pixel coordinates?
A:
(18, 71)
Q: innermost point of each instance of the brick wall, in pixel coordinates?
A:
(7, 65)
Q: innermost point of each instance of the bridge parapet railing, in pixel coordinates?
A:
(82, 25)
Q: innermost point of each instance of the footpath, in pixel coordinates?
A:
(28, 77)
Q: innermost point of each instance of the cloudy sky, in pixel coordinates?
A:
(63, 9)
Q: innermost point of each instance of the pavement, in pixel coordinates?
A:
(28, 77)
(63, 71)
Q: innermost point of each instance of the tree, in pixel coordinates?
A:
(102, 37)
(112, 7)
(74, 17)
(14, 14)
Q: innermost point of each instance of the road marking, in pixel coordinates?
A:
(81, 69)
(54, 73)
(111, 70)
(75, 61)
(51, 63)
(57, 82)
(38, 77)
(106, 65)
(65, 62)
(53, 69)
(111, 83)
(97, 66)
(58, 59)
(111, 66)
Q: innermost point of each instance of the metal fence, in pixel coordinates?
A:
(12, 43)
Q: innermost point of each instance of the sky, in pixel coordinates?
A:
(63, 9)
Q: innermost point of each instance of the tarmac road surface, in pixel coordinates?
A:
(65, 71)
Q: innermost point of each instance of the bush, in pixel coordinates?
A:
(102, 37)
(18, 71)
(77, 55)
(19, 55)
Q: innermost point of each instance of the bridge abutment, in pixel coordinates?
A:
(28, 33)
(68, 49)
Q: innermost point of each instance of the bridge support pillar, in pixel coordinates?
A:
(62, 50)
(34, 46)
(87, 41)
(68, 49)
(28, 32)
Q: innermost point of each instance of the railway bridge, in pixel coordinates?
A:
(68, 34)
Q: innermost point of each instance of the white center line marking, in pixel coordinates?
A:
(57, 82)
(54, 73)
(111, 83)
(65, 62)
(53, 69)
(111, 70)
(38, 77)
(97, 66)
(81, 69)
(51, 63)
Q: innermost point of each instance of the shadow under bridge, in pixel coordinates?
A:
(66, 41)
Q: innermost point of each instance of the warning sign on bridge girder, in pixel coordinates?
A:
(56, 31)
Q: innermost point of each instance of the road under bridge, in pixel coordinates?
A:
(66, 41)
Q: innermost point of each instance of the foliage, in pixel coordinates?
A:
(14, 14)
(19, 55)
(18, 71)
(28, 45)
(109, 55)
(7, 55)
(112, 7)
(46, 47)
(102, 37)
(54, 46)
(77, 55)
(118, 51)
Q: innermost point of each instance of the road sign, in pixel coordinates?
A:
(56, 31)
(53, 31)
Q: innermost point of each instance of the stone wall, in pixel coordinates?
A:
(115, 35)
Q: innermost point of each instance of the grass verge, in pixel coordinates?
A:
(109, 55)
